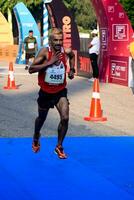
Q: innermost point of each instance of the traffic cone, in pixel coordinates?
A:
(11, 80)
(95, 110)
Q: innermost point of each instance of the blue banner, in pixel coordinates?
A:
(25, 23)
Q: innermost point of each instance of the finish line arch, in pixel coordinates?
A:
(115, 36)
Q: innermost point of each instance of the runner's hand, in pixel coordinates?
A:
(71, 73)
(55, 58)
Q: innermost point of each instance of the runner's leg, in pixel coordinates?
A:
(63, 109)
(42, 114)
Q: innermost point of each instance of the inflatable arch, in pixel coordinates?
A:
(6, 36)
(115, 36)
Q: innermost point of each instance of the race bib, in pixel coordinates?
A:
(55, 75)
(31, 45)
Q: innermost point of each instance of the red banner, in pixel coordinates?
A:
(115, 36)
(118, 70)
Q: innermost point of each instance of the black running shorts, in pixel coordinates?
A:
(48, 100)
(30, 55)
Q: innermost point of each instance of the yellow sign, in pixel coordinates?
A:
(131, 47)
(6, 36)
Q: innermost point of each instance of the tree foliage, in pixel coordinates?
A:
(83, 13)
(9, 4)
(129, 8)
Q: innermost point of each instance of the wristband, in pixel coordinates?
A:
(72, 69)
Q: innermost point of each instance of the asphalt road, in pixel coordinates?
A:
(18, 108)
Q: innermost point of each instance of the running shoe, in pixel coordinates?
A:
(60, 152)
(26, 67)
(36, 146)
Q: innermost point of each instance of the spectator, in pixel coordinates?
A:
(94, 48)
(30, 47)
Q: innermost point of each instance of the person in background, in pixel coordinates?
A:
(30, 47)
(50, 63)
(94, 48)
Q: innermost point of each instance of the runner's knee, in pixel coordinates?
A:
(42, 114)
(64, 121)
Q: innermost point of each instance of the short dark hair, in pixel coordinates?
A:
(30, 31)
(55, 31)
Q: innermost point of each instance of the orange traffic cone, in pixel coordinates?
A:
(11, 80)
(95, 110)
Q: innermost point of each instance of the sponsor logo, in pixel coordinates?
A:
(66, 31)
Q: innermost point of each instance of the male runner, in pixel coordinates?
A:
(50, 64)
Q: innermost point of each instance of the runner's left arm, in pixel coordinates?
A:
(71, 56)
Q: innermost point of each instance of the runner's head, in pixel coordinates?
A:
(30, 33)
(56, 39)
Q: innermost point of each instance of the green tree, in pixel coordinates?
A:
(129, 8)
(9, 4)
(83, 13)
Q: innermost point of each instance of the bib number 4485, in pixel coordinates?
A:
(57, 77)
